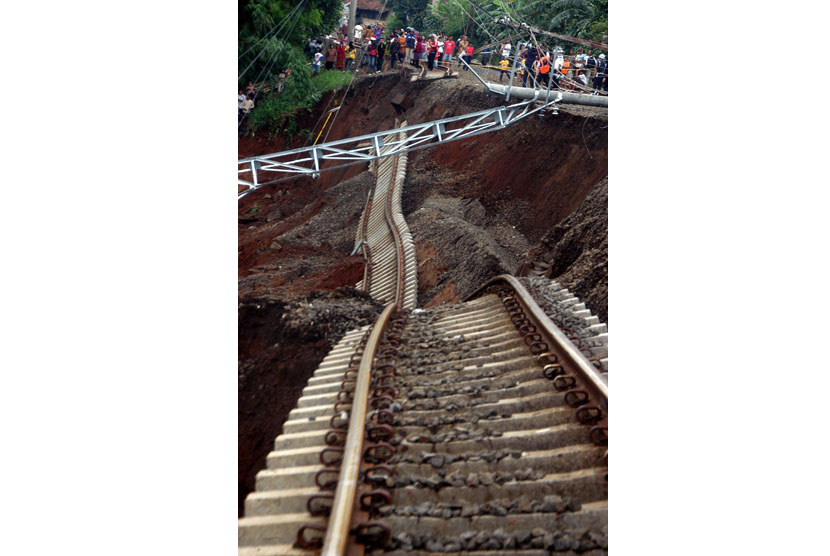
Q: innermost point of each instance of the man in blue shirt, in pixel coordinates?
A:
(410, 44)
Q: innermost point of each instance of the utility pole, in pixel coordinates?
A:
(352, 17)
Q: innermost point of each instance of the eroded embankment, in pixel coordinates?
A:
(475, 207)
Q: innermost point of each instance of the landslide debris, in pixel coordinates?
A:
(575, 252)
(281, 342)
(459, 247)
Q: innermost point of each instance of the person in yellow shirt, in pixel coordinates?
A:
(505, 67)
(350, 55)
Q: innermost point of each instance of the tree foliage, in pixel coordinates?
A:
(268, 28)
(587, 19)
(272, 35)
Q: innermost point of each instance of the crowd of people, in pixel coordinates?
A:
(380, 49)
(540, 69)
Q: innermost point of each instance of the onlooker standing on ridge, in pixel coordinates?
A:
(601, 80)
(505, 50)
(248, 105)
(590, 66)
(485, 55)
(372, 53)
(250, 90)
(351, 52)
(315, 65)
(341, 57)
(381, 54)
(449, 47)
(432, 51)
(469, 57)
(530, 59)
(410, 47)
(505, 68)
(440, 55)
(419, 51)
(462, 49)
(544, 71)
(402, 50)
(394, 50)
(331, 57)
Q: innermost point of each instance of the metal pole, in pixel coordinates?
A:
(352, 17)
(469, 67)
(550, 71)
(567, 97)
(512, 73)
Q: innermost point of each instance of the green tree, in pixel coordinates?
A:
(269, 28)
(586, 19)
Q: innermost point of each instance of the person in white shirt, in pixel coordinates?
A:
(241, 98)
(505, 50)
(318, 58)
(358, 31)
(248, 105)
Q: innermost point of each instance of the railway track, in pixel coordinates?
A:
(385, 237)
(476, 427)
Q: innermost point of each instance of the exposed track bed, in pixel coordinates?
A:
(476, 446)
(478, 427)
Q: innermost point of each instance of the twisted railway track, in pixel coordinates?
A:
(478, 427)
(382, 233)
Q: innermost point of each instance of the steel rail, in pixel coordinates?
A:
(337, 533)
(396, 234)
(548, 328)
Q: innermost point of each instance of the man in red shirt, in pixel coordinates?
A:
(432, 51)
(449, 46)
(469, 57)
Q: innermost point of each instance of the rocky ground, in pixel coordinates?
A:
(576, 252)
(476, 208)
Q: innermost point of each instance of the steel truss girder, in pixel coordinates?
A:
(273, 168)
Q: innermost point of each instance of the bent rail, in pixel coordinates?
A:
(382, 233)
